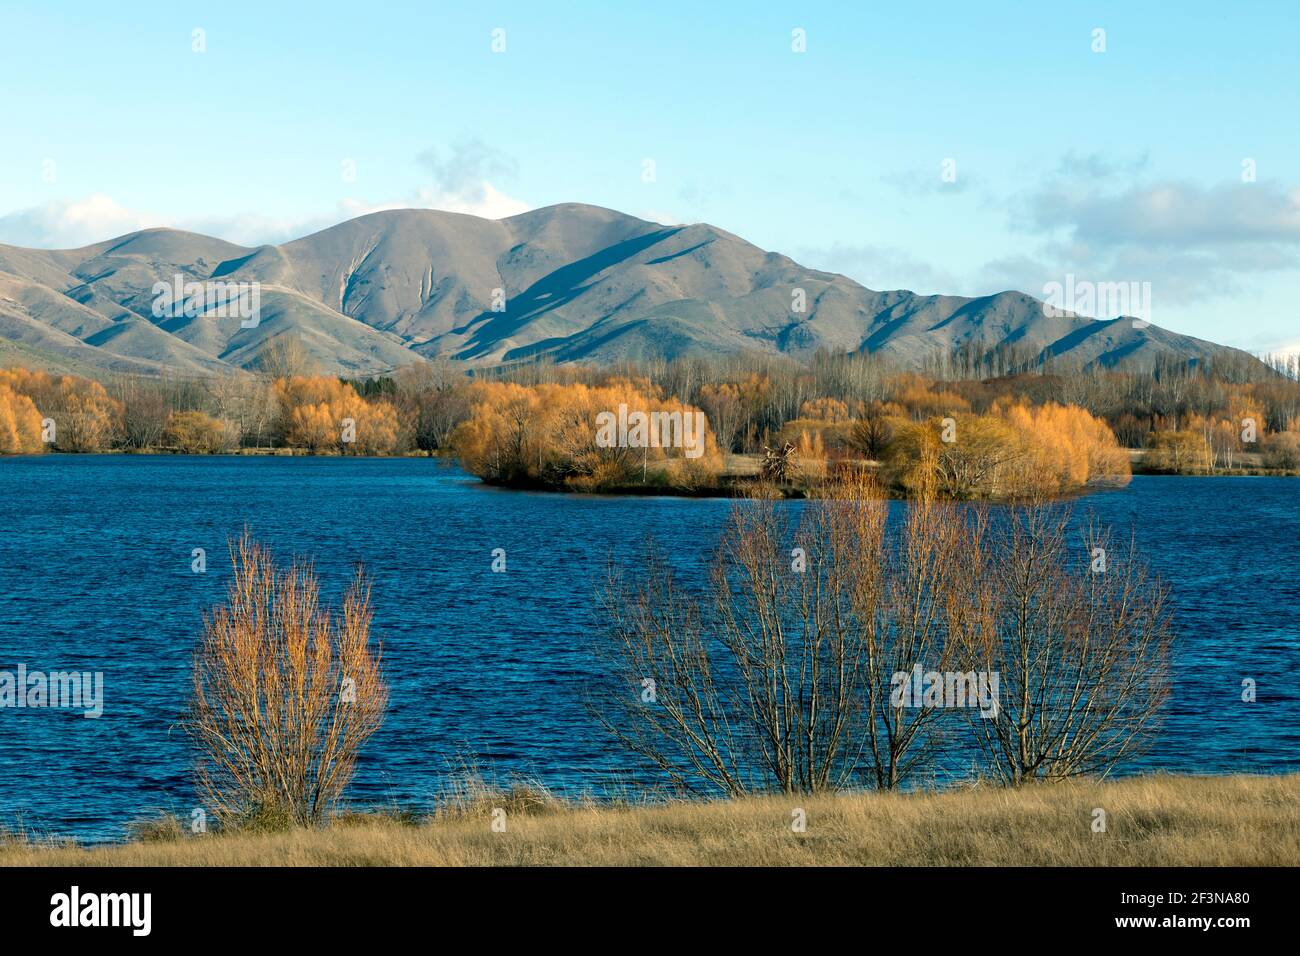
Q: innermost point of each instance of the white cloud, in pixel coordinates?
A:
(1105, 221)
(70, 224)
(663, 217)
(462, 181)
(487, 202)
(252, 229)
(484, 200)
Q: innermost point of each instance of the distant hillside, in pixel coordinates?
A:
(572, 282)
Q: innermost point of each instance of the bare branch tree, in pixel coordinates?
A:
(1080, 639)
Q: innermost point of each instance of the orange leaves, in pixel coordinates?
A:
(1021, 450)
(916, 395)
(86, 418)
(20, 424)
(285, 694)
(194, 433)
(1067, 447)
(1183, 452)
(324, 414)
(825, 409)
(548, 434)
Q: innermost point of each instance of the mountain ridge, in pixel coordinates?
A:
(570, 282)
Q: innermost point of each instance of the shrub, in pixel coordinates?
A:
(284, 695)
(194, 433)
(1180, 452)
(779, 678)
(1282, 451)
(781, 675)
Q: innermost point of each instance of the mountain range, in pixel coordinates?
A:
(570, 282)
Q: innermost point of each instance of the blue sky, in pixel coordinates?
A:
(1124, 165)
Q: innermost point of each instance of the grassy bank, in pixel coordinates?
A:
(1153, 820)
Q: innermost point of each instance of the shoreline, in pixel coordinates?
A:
(731, 484)
(1155, 819)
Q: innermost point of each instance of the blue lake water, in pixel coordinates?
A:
(95, 575)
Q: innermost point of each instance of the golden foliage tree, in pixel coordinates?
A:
(548, 434)
(194, 433)
(323, 414)
(284, 694)
(86, 418)
(20, 424)
(1018, 451)
(1180, 452)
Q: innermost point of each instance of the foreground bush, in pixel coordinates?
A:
(783, 674)
(284, 695)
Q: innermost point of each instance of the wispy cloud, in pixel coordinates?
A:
(72, 223)
(463, 177)
(1169, 214)
(878, 266)
(942, 180)
(1102, 219)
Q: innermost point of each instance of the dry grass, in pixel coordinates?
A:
(1152, 821)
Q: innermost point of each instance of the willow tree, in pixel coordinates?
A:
(779, 675)
(284, 694)
(1079, 631)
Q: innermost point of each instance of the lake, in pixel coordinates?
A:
(95, 554)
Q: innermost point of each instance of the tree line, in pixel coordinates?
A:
(1190, 415)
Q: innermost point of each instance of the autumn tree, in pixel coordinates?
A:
(548, 434)
(872, 431)
(285, 694)
(285, 356)
(1282, 451)
(85, 418)
(20, 424)
(323, 414)
(969, 456)
(781, 676)
(758, 688)
(432, 399)
(1179, 452)
(250, 403)
(194, 433)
